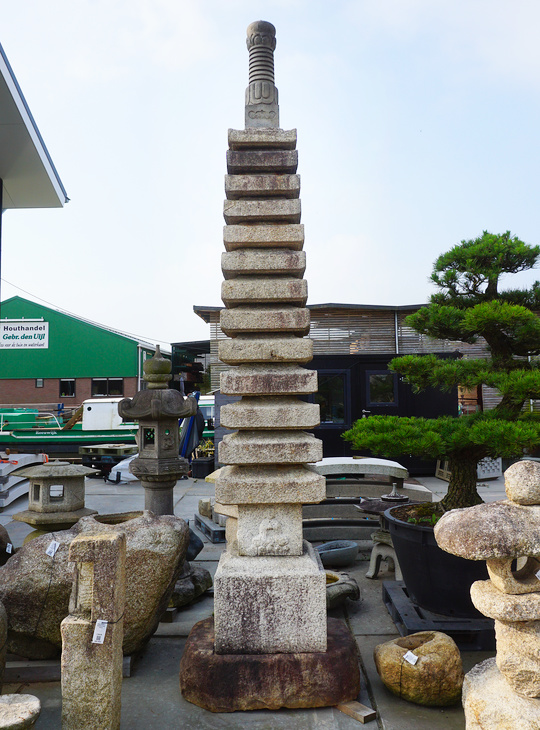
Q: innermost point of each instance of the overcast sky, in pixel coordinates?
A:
(418, 125)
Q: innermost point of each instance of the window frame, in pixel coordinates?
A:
(67, 380)
(382, 404)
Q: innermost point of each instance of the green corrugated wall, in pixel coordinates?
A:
(76, 349)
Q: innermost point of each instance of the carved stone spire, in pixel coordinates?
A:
(262, 108)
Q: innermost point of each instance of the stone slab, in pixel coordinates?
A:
(284, 447)
(278, 379)
(283, 139)
(270, 413)
(249, 262)
(226, 683)
(264, 290)
(274, 210)
(349, 465)
(286, 235)
(269, 529)
(270, 605)
(244, 319)
(268, 349)
(491, 704)
(261, 160)
(269, 484)
(242, 186)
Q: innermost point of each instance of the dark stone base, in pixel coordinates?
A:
(230, 682)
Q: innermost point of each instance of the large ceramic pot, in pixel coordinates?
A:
(435, 580)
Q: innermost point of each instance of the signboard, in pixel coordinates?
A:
(27, 334)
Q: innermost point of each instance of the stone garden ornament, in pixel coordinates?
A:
(504, 692)
(270, 596)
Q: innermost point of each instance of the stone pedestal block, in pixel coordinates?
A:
(270, 529)
(269, 236)
(283, 319)
(240, 186)
(269, 349)
(270, 290)
(278, 379)
(270, 413)
(266, 605)
(263, 160)
(263, 262)
(285, 447)
(279, 484)
(283, 139)
(231, 682)
(491, 704)
(273, 210)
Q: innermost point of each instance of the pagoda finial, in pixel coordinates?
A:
(262, 108)
(157, 371)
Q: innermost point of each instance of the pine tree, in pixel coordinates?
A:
(467, 307)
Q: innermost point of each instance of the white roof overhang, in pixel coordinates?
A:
(26, 168)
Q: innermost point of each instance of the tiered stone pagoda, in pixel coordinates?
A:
(270, 593)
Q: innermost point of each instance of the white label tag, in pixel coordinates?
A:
(537, 574)
(99, 632)
(410, 657)
(53, 547)
(9, 548)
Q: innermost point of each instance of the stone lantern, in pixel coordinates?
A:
(157, 409)
(56, 495)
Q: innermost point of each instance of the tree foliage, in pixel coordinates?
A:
(469, 308)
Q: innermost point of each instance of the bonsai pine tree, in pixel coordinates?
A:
(468, 307)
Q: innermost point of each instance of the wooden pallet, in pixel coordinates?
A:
(214, 532)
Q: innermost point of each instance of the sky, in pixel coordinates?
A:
(418, 125)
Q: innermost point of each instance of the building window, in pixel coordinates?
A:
(111, 387)
(39, 382)
(381, 388)
(67, 388)
(333, 397)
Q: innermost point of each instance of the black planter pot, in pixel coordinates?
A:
(435, 580)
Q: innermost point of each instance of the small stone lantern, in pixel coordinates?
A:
(157, 409)
(56, 495)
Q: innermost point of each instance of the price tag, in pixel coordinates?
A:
(410, 657)
(9, 548)
(537, 574)
(53, 547)
(99, 632)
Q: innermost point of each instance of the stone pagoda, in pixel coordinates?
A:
(270, 588)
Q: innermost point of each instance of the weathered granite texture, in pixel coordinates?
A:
(273, 483)
(56, 487)
(436, 677)
(5, 540)
(35, 588)
(498, 533)
(270, 529)
(490, 703)
(266, 605)
(270, 595)
(19, 712)
(229, 682)
(92, 671)
(3, 642)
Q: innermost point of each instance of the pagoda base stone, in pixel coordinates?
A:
(231, 682)
(269, 604)
(50, 521)
(491, 704)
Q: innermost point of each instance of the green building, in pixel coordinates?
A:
(48, 357)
